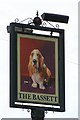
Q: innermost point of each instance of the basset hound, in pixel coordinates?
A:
(38, 71)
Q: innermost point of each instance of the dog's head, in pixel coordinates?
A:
(36, 59)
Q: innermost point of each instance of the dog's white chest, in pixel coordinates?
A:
(37, 80)
(36, 77)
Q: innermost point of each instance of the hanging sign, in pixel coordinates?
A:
(36, 68)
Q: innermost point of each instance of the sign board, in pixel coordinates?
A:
(37, 75)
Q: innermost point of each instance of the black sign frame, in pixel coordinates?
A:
(17, 28)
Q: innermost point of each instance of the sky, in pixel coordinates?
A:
(22, 9)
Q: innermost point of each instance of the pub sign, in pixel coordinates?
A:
(37, 71)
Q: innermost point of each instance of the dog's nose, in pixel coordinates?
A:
(34, 61)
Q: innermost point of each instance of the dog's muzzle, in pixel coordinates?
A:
(34, 61)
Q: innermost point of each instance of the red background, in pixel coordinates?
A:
(47, 48)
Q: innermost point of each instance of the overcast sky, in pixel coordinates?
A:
(22, 9)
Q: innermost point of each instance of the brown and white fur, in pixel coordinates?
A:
(38, 71)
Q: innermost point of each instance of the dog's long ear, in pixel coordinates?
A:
(30, 65)
(41, 61)
(30, 62)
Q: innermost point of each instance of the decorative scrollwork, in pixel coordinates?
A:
(57, 26)
(50, 24)
(30, 22)
(37, 21)
(16, 20)
(44, 24)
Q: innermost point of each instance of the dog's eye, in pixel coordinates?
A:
(38, 55)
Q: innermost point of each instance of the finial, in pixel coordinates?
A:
(37, 21)
(37, 13)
